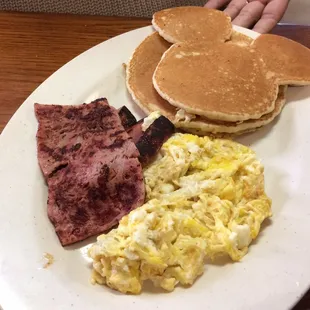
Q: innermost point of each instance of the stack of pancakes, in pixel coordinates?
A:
(209, 79)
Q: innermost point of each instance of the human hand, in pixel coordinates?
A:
(262, 15)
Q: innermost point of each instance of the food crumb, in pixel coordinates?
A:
(49, 259)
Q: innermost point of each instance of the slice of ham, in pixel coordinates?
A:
(91, 167)
(150, 141)
(135, 131)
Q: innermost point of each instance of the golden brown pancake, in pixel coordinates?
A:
(190, 23)
(220, 81)
(240, 38)
(289, 60)
(204, 126)
(139, 73)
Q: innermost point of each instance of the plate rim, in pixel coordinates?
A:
(58, 71)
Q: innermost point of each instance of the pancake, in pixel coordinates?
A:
(289, 60)
(221, 135)
(139, 73)
(190, 23)
(240, 38)
(204, 126)
(220, 81)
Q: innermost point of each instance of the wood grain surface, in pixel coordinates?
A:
(33, 46)
(297, 33)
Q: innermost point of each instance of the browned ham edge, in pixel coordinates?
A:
(150, 141)
(135, 131)
(153, 138)
(127, 118)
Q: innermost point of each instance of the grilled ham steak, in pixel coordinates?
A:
(127, 118)
(153, 138)
(91, 167)
(150, 141)
(135, 131)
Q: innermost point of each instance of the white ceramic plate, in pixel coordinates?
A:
(273, 275)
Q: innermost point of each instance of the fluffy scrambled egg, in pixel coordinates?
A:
(205, 198)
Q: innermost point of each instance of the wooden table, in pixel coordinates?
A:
(33, 46)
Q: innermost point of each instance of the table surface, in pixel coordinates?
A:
(33, 46)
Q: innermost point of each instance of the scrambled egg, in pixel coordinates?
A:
(205, 199)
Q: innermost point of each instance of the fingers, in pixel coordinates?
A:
(271, 15)
(250, 14)
(234, 8)
(264, 14)
(265, 24)
(216, 4)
